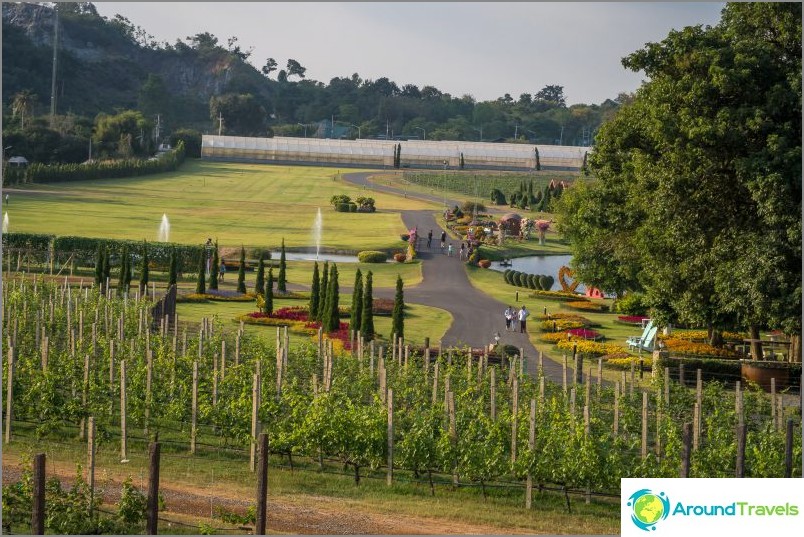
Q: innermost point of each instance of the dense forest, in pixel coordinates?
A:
(127, 92)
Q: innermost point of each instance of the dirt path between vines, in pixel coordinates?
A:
(288, 514)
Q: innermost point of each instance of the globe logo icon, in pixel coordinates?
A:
(648, 508)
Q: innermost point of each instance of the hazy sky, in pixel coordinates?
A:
(485, 49)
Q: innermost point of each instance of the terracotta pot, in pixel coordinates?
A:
(763, 372)
(484, 263)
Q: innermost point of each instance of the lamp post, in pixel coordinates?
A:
(358, 130)
(305, 128)
(480, 130)
(445, 184)
(424, 132)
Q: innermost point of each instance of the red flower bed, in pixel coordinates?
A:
(636, 319)
(584, 333)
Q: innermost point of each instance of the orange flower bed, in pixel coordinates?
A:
(683, 346)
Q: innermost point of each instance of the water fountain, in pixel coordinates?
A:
(5, 223)
(164, 229)
(319, 222)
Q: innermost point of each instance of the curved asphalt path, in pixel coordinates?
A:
(476, 316)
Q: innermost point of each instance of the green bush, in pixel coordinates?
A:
(631, 304)
(34, 241)
(507, 276)
(342, 207)
(352, 207)
(372, 256)
(546, 282)
(533, 281)
(497, 197)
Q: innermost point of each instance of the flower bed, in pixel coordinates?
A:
(554, 337)
(585, 305)
(623, 360)
(685, 347)
(703, 335)
(631, 319)
(583, 333)
(555, 295)
(590, 347)
(216, 296)
(560, 325)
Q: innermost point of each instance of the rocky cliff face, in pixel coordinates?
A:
(102, 68)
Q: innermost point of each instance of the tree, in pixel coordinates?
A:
(99, 266)
(213, 270)
(552, 94)
(314, 293)
(322, 295)
(259, 284)
(144, 268)
(367, 317)
(241, 272)
(398, 316)
(281, 281)
(122, 287)
(126, 132)
(268, 293)
(173, 274)
(700, 177)
(269, 67)
(331, 317)
(22, 106)
(242, 114)
(357, 302)
(154, 97)
(294, 68)
(200, 284)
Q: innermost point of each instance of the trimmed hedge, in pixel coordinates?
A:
(34, 241)
(372, 256)
(56, 173)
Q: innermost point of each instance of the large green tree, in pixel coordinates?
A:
(698, 192)
(282, 281)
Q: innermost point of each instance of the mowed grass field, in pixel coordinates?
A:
(250, 204)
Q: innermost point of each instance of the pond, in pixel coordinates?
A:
(539, 264)
(304, 256)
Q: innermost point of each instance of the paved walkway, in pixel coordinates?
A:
(445, 284)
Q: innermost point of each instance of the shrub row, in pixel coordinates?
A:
(55, 173)
(538, 282)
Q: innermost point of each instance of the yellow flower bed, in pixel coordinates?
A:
(683, 346)
(586, 305)
(702, 335)
(590, 347)
(561, 325)
(554, 337)
(624, 360)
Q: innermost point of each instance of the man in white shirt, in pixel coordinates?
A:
(523, 315)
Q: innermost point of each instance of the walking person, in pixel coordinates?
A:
(430, 239)
(443, 240)
(222, 271)
(523, 315)
(462, 251)
(509, 317)
(449, 250)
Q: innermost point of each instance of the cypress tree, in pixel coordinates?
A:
(314, 291)
(332, 319)
(127, 283)
(259, 285)
(462, 161)
(531, 199)
(213, 268)
(281, 281)
(200, 286)
(322, 293)
(99, 266)
(538, 162)
(398, 317)
(144, 268)
(545, 205)
(357, 302)
(268, 291)
(367, 317)
(241, 272)
(174, 268)
(121, 280)
(107, 269)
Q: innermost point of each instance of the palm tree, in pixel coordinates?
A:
(22, 105)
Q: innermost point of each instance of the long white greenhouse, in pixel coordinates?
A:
(380, 153)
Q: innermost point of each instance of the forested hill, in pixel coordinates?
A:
(108, 64)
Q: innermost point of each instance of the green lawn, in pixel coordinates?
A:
(250, 204)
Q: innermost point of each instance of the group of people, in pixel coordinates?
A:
(512, 316)
(464, 252)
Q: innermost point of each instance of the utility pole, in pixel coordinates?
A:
(220, 124)
(561, 136)
(55, 65)
(157, 128)
(516, 130)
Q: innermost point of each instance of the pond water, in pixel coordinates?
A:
(303, 256)
(539, 264)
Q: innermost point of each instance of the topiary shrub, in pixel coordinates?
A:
(372, 256)
(533, 281)
(546, 282)
(521, 280)
(507, 275)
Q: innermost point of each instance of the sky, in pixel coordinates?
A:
(484, 49)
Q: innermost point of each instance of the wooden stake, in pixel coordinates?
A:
(38, 508)
(91, 461)
(644, 451)
(123, 412)
(493, 391)
(531, 446)
(9, 393)
(389, 476)
(514, 416)
(686, 438)
(262, 487)
(152, 508)
(194, 410)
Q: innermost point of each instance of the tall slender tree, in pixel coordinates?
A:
(314, 292)
(144, 274)
(259, 284)
(322, 294)
(121, 280)
(241, 272)
(173, 275)
(357, 302)
(99, 266)
(213, 269)
(281, 280)
(268, 293)
(127, 282)
(200, 285)
(398, 317)
(107, 268)
(367, 318)
(332, 318)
